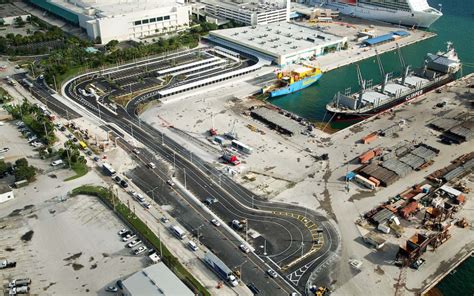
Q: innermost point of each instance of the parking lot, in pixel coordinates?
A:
(65, 246)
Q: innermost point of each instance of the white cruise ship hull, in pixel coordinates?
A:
(414, 18)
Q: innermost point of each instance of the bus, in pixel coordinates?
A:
(364, 182)
(241, 147)
(177, 231)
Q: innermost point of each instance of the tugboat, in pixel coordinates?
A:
(293, 80)
(439, 69)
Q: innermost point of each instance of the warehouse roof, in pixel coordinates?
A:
(278, 39)
(280, 121)
(156, 280)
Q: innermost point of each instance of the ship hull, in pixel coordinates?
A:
(294, 87)
(421, 19)
(342, 116)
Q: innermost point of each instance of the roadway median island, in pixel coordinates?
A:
(140, 227)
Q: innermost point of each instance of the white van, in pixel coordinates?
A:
(192, 245)
(57, 162)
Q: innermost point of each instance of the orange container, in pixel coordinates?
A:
(369, 138)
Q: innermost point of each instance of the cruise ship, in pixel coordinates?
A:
(413, 13)
(438, 70)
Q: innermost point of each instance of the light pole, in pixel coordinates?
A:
(197, 230)
(240, 268)
(153, 192)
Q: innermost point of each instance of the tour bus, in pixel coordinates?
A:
(178, 232)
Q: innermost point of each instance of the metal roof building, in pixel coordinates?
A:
(283, 43)
(155, 280)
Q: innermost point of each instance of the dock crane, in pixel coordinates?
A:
(405, 67)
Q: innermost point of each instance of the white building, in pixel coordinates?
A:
(155, 280)
(6, 193)
(283, 43)
(255, 12)
(120, 19)
(8, 14)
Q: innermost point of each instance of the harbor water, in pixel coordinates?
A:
(456, 25)
(458, 282)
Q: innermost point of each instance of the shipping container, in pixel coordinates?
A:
(369, 138)
(376, 182)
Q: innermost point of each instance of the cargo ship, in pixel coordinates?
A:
(293, 80)
(416, 13)
(439, 69)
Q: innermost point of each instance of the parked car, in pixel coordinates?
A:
(122, 231)
(418, 263)
(96, 158)
(146, 205)
(139, 250)
(170, 182)
(134, 243)
(136, 151)
(117, 179)
(129, 236)
(4, 150)
(192, 245)
(215, 222)
(244, 248)
(124, 184)
(111, 289)
(165, 220)
(151, 165)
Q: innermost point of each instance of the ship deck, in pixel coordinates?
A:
(374, 97)
(394, 88)
(413, 81)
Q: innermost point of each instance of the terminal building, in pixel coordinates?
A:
(107, 20)
(249, 13)
(282, 43)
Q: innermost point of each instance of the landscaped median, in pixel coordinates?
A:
(140, 227)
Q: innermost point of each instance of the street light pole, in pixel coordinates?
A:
(184, 172)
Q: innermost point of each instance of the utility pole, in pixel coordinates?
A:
(302, 249)
(265, 247)
(98, 108)
(159, 238)
(174, 160)
(184, 171)
(55, 86)
(247, 230)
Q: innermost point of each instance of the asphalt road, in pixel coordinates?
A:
(287, 231)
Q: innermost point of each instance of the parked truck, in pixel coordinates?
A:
(19, 282)
(19, 290)
(5, 263)
(220, 269)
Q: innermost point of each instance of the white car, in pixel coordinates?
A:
(122, 231)
(4, 150)
(146, 205)
(139, 250)
(139, 197)
(244, 248)
(272, 273)
(215, 222)
(170, 182)
(136, 151)
(129, 236)
(134, 243)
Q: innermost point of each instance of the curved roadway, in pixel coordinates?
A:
(288, 232)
